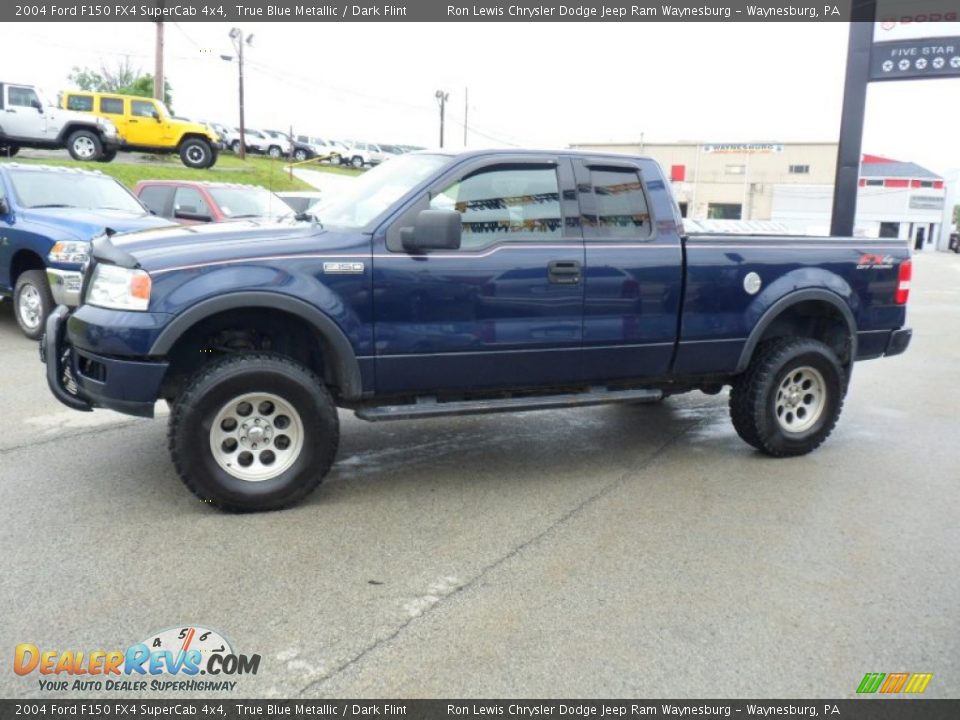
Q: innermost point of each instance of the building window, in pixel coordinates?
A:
(926, 183)
(799, 170)
(874, 183)
(724, 211)
(735, 169)
(683, 209)
(678, 173)
(889, 229)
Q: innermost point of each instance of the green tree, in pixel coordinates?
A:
(123, 79)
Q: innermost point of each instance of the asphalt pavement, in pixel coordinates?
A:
(602, 552)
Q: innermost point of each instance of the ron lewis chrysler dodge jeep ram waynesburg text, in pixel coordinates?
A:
(450, 284)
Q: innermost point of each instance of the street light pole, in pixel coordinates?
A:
(442, 98)
(236, 35)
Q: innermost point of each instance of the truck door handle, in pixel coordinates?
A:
(563, 272)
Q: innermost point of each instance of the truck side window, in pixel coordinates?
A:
(142, 108)
(81, 103)
(505, 204)
(621, 207)
(22, 97)
(190, 201)
(113, 106)
(157, 199)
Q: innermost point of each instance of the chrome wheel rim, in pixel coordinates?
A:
(801, 398)
(274, 152)
(256, 436)
(196, 154)
(29, 306)
(84, 147)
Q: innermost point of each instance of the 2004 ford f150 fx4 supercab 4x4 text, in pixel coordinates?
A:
(452, 284)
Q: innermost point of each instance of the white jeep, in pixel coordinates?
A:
(27, 120)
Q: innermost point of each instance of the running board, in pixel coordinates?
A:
(430, 407)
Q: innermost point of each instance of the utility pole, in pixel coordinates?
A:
(466, 111)
(158, 84)
(442, 98)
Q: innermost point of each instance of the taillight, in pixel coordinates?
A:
(903, 282)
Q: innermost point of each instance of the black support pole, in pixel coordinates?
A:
(851, 122)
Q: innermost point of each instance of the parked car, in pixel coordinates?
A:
(278, 143)
(253, 140)
(320, 147)
(360, 154)
(48, 216)
(444, 284)
(147, 126)
(300, 201)
(29, 120)
(226, 134)
(189, 202)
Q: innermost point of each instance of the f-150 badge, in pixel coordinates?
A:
(343, 267)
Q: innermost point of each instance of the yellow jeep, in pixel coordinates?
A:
(146, 125)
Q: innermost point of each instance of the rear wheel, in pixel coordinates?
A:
(357, 161)
(254, 432)
(274, 152)
(299, 154)
(108, 156)
(84, 145)
(789, 399)
(32, 302)
(235, 147)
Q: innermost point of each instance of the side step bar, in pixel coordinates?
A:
(430, 407)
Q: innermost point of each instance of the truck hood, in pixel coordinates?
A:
(79, 224)
(202, 244)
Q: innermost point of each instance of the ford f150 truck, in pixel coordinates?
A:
(47, 217)
(450, 284)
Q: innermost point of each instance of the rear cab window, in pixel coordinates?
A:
(157, 199)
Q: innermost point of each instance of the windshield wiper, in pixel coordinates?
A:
(52, 205)
(245, 215)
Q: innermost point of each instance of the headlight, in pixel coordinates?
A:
(70, 252)
(119, 288)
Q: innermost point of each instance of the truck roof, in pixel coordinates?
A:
(51, 168)
(565, 152)
(200, 183)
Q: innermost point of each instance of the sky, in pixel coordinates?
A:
(529, 84)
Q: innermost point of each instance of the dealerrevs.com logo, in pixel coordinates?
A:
(166, 661)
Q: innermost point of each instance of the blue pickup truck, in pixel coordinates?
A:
(47, 217)
(452, 284)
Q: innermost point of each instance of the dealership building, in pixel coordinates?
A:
(791, 186)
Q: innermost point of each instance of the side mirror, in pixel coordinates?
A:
(155, 115)
(37, 105)
(433, 230)
(4, 208)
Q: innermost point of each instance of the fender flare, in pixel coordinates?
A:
(75, 125)
(788, 301)
(343, 363)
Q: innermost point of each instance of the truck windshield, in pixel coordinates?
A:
(42, 188)
(368, 196)
(245, 202)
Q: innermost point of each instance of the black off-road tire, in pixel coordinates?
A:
(107, 156)
(85, 146)
(197, 153)
(223, 383)
(9, 150)
(754, 396)
(35, 283)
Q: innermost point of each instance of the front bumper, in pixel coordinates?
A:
(65, 286)
(83, 380)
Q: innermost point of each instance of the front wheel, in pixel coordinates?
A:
(357, 161)
(33, 302)
(274, 152)
(789, 399)
(84, 145)
(108, 156)
(196, 153)
(254, 432)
